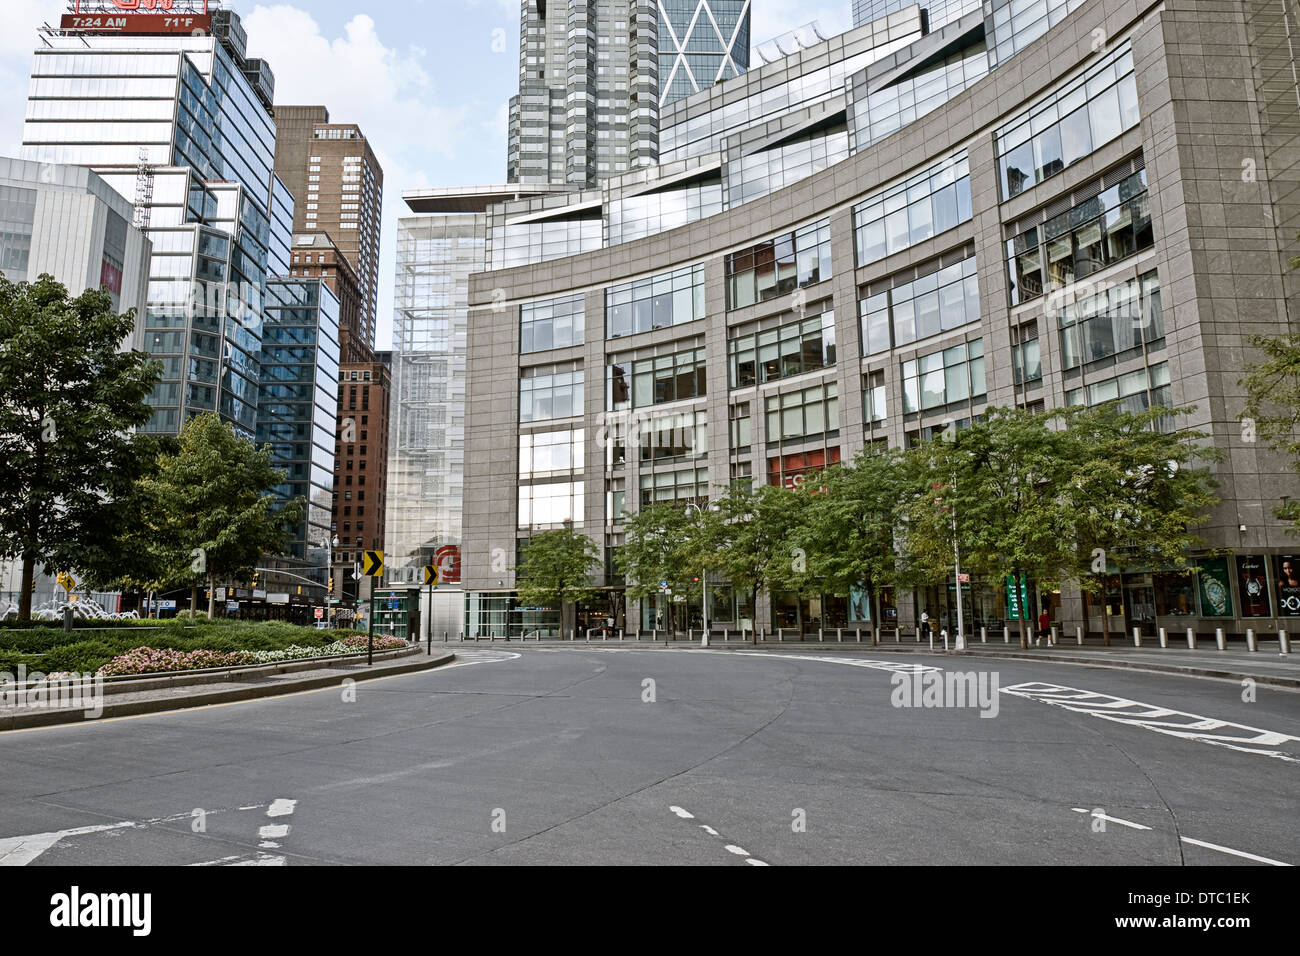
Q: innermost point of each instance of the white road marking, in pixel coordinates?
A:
(1241, 853)
(1110, 819)
(1161, 720)
(21, 850)
(893, 667)
(273, 832)
(262, 859)
(730, 847)
(281, 808)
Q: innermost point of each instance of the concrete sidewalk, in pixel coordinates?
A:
(159, 693)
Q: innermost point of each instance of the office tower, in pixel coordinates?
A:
(998, 211)
(175, 117)
(593, 77)
(359, 499)
(937, 13)
(299, 371)
(339, 185)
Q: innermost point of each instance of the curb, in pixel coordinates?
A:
(50, 718)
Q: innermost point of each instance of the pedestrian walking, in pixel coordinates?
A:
(1045, 627)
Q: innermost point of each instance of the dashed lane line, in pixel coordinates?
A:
(731, 848)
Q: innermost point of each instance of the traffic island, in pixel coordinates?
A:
(83, 700)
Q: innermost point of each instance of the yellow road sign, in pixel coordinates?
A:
(373, 564)
(430, 574)
(67, 580)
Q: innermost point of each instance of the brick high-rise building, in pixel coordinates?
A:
(339, 185)
(361, 465)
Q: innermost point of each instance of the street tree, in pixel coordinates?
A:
(995, 492)
(1137, 490)
(70, 399)
(1272, 409)
(665, 547)
(850, 526)
(211, 510)
(750, 539)
(555, 571)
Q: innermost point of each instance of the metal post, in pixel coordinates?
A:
(1052, 639)
(1219, 639)
(1251, 644)
(1191, 639)
(839, 635)
(1284, 642)
(780, 635)
(1006, 634)
(984, 635)
(370, 640)
(1137, 635)
(1078, 635)
(1164, 638)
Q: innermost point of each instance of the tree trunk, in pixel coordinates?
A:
(876, 619)
(194, 600)
(212, 596)
(29, 582)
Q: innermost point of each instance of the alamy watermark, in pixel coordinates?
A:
(947, 689)
(36, 691)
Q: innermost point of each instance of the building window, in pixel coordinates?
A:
(1080, 241)
(691, 485)
(1067, 125)
(922, 207)
(943, 300)
(1026, 355)
(550, 454)
(655, 381)
(659, 302)
(779, 266)
(790, 470)
(550, 505)
(1117, 319)
(552, 324)
(1135, 392)
(791, 349)
(547, 395)
(803, 413)
(941, 378)
(874, 397)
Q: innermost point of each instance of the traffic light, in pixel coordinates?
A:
(300, 589)
(255, 576)
(331, 584)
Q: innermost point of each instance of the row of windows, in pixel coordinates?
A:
(803, 413)
(1135, 391)
(1111, 321)
(1069, 124)
(552, 324)
(550, 395)
(939, 302)
(654, 381)
(926, 205)
(1083, 240)
(673, 298)
(791, 349)
(779, 266)
(952, 375)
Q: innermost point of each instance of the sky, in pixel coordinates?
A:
(428, 81)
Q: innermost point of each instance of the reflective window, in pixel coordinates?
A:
(1081, 241)
(803, 413)
(655, 381)
(655, 303)
(1135, 392)
(926, 205)
(551, 505)
(547, 395)
(1067, 125)
(938, 302)
(552, 324)
(779, 266)
(649, 214)
(548, 454)
(878, 113)
(1111, 321)
(691, 485)
(952, 375)
(765, 171)
(1018, 23)
(790, 349)
(791, 470)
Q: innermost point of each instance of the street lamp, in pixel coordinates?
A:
(704, 581)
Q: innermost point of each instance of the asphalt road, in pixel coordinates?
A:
(569, 756)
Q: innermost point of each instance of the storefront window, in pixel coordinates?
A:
(1174, 594)
(1252, 584)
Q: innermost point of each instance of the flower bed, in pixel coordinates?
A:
(149, 660)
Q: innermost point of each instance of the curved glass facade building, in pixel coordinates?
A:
(876, 239)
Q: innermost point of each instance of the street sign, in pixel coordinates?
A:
(963, 579)
(373, 564)
(320, 613)
(67, 580)
(431, 574)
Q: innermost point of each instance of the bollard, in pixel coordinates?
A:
(654, 636)
(1052, 638)
(1078, 635)
(67, 617)
(690, 635)
(620, 635)
(1251, 643)
(1219, 639)
(839, 635)
(1137, 635)
(918, 639)
(1006, 635)
(858, 632)
(821, 635)
(944, 632)
(726, 635)
(704, 637)
(984, 635)
(445, 637)
(1283, 642)
(780, 635)
(1164, 638)
(1191, 639)
(898, 635)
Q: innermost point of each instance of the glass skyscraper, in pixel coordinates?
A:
(701, 42)
(179, 125)
(938, 13)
